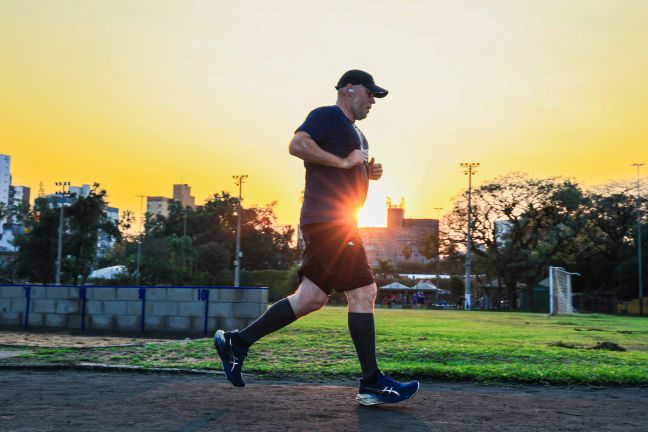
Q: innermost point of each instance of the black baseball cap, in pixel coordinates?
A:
(355, 76)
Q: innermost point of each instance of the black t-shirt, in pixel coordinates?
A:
(333, 194)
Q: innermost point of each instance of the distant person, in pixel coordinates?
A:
(335, 154)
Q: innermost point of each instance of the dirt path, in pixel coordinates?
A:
(93, 401)
(66, 339)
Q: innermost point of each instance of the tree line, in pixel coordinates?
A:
(186, 247)
(521, 225)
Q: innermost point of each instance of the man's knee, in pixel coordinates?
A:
(308, 298)
(363, 298)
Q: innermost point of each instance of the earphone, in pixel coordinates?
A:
(350, 90)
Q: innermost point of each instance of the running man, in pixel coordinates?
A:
(338, 170)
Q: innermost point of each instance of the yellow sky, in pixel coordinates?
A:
(138, 95)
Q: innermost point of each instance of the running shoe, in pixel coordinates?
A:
(385, 390)
(231, 357)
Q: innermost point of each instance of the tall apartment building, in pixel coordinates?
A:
(19, 195)
(105, 242)
(182, 193)
(399, 241)
(75, 192)
(5, 178)
(157, 205)
(7, 229)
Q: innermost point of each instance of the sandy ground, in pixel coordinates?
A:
(100, 401)
(65, 339)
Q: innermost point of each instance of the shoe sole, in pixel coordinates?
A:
(368, 399)
(219, 339)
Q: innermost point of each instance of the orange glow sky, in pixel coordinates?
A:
(140, 95)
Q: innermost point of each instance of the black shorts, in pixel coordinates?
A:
(334, 258)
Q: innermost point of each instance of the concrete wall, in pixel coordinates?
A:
(179, 310)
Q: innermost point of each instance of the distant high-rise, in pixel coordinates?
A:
(104, 241)
(157, 205)
(75, 192)
(182, 193)
(5, 178)
(399, 242)
(20, 195)
(6, 230)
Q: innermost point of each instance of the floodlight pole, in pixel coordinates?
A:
(65, 190)
(139, 241)
(469, 170)
(438, 210)
(240, 179)
(639, 258)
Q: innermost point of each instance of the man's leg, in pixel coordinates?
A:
(233, 346)
(308, 298)
(375, 388)
(361, 326)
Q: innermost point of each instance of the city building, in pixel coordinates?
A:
(19, 195)
(5, 178)
(157, 205)
(106, 242)
(182, 193)
(398, 242)
(502, 230)
(8, 229)
(74, 192)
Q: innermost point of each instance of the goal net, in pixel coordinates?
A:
(560, 291)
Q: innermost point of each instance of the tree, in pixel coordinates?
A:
(36, 252)
(609, 261)
(83, 220)
(541, 220)
(86, 217)
(208, 248)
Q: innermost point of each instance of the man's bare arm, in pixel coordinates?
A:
(305, 148)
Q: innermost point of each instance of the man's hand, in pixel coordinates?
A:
(355, 158)
(375, 170)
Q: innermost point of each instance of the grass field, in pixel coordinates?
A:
(455, 345)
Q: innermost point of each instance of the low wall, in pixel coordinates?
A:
(131, 309)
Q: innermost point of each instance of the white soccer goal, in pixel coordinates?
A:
(560, 291)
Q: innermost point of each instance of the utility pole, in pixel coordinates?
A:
(438, 235)
(469, 170)
(139, 240)
(239, 179)
(639, 266)
(65, 190)
(184, 224)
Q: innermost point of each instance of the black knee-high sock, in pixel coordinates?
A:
(279, 315)
(363, 334)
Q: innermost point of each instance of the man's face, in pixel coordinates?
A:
(361, 101)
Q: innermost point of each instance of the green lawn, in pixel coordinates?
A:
(482, 346)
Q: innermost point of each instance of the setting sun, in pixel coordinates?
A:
(374, 212)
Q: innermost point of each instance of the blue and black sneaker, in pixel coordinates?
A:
(385, 390)
(231, 357)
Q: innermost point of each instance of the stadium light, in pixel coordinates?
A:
(139, 239)
(64, 190)
(469, 170)
(639, 267)
(438, 234)
(239, 179)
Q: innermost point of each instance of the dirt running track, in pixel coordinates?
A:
(111, 401)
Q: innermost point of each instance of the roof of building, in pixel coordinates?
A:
(108, 272)
(394, 286)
